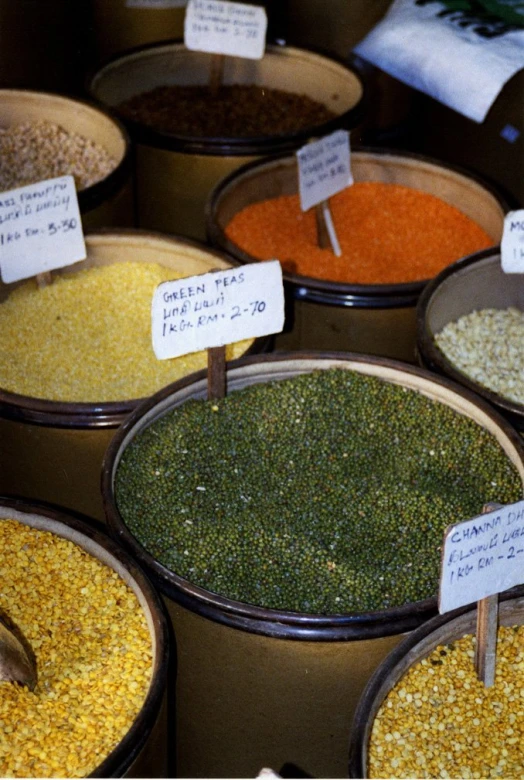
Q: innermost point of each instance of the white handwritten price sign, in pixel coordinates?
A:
(217, 27)
(482, 556)
(323, 168)
(40, 229)
(221, 307)
(512, 243)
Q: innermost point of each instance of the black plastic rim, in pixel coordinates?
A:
(260, 620)
(233, 147)
(128, 749)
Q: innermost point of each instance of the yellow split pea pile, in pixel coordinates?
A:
(93, 653)
(441, 721)
(87, 337)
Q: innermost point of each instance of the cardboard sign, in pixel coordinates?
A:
(40, 229)
(218, 27)
(217, 308)
(482, 556)
(323, 168)
(512, 243)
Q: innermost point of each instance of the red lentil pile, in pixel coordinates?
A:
(388, 234)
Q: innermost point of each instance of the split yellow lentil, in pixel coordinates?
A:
(388, 234)
(87, 337)
(441, 721)
(93, 653)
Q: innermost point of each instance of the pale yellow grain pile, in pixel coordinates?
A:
(87, 337)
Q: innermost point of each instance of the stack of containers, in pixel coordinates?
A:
(257, 685)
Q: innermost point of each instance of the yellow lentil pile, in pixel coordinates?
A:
(441, 721)
(93, 653)
(87, 337)
(38, 150)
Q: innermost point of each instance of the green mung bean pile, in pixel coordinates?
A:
(325, 493)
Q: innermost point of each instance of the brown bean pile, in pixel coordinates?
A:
(238, 110)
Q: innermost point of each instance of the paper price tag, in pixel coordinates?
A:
(323, 168)
(482, 556)
(512, 243)
(217, 308)
(218, 27)
(40, 229)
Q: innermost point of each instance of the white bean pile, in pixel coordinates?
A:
(39, 150)
(488, 347)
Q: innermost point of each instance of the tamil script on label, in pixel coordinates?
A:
(220, 27)
(217, 308)
(482, 556)
(40, 229)
(323, 168)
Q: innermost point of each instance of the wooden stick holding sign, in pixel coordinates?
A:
(216, 73)
(481, 558)
(207, 312)
(486, 649)
(326, 234)
(216, 373)
(323, 170)
(487, 626)
(44, 279)
(323, 239)
(225, 29)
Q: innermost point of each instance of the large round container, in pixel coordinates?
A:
(175, 174)
(108, 202)
(440, 630)
(52, 451)
(118, 25)
(473, 283)
(143, 752)
(375, 318)
(261, 687)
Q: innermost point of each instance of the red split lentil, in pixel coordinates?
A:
(93, 652)
(388, 234)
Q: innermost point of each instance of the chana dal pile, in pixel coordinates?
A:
(93, 653)
(441, 721)
(86, 337)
